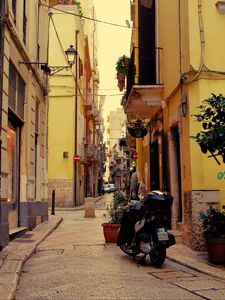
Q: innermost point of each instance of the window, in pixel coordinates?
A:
(38, 52)
(24, 22)
(37, 116)
(16, 91)
(80, 68)
(14, 10)
(13, 161)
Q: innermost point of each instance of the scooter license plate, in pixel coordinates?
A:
(162, 234)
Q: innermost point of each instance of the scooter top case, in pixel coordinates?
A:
(157, 200)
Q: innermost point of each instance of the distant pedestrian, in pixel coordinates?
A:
(134, 185)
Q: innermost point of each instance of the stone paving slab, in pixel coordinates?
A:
(13, 257)
(195, 260)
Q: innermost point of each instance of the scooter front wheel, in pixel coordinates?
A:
(129, 250)
(158, 256)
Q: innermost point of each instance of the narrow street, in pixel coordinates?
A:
(75, 263)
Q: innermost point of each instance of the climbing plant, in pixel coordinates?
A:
(79, 7)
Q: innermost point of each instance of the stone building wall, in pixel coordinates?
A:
(63, 192)
(194, 203)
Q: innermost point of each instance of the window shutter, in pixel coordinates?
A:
(12, 87)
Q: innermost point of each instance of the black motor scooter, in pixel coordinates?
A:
(144, 227)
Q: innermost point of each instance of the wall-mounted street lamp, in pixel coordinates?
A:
(221, 6)
(71, 54)
(97, 125)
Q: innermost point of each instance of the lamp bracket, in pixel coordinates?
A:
(48, 70)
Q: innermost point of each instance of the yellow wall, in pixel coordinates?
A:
(205, 171)
(198, 171)
(61, 138)
(213, 25)
(33, 167)
(62, 97)
(168, 40)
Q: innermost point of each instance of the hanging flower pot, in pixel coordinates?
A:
(121, 85)
(137, 129)
(121, 76)
(122, 64)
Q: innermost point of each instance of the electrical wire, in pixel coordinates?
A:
(84, 89)
(79, 89)
(73, 95)
(202, 40)
(61, 46)
(57, 35)
(88, 18)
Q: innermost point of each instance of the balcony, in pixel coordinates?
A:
(144, 86)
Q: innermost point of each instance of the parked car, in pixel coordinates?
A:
(109, 187)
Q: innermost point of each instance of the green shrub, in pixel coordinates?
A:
(213, 222)
(115, 210)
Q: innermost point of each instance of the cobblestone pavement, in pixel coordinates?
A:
(74, 262)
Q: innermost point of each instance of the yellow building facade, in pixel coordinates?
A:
(186, 66)
(72, 104)
(23, 117)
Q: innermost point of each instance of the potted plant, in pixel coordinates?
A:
(213, 226)
(113, 216)
(122, 66)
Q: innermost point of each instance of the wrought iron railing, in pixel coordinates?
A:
(148, 72)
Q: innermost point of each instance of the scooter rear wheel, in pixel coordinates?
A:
(129, 250)
(158, 256)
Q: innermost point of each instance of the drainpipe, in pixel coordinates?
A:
(2, 10)
(75, 127)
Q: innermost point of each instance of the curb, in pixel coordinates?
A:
(203, 269)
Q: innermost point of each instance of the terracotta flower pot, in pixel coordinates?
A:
(121, 84)
(110, 232)
(121, 76)
(216, 249)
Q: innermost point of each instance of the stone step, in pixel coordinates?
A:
(38, 220)
(17, 232)
(177, 234)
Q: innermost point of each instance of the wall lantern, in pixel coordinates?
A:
(122, 142)
(97, 125)
(221, 6)
(184, 104)
(65, 154)
(137, 129)
(71, 54)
